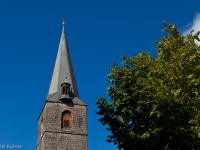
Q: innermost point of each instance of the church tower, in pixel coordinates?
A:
(62, 124)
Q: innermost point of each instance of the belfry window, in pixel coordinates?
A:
(64, 90)
(66, 120)
(65, 87)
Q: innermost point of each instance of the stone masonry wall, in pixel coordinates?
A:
(50, 133)
(41, 129)
(60, 141)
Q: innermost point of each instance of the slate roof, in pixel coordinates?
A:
(63, 68)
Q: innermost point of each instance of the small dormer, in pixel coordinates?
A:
(65, 92)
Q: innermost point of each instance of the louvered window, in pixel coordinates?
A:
(66, 119)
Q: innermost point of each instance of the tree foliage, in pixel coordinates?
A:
(155, 101)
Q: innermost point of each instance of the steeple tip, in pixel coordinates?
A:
(63, 23)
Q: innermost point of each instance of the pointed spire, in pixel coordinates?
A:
(63, 69)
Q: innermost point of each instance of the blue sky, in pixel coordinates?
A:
(98, 32)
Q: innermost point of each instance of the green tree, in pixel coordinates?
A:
(155, 101)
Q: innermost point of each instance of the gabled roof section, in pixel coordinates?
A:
(63, 68)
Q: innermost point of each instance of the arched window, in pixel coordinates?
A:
(66, 119)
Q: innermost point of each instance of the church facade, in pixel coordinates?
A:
(62, 124)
